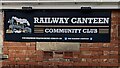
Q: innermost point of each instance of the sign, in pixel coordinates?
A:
(57, 25)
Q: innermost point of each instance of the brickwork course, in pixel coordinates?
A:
(89, 55)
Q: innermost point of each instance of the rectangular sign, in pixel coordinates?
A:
(57, 25)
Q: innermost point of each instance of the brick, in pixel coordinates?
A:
(94, 64)
(11, 59)
(115, 22)
(27, 66)
(104, 64)
(104, 57)
(21, 63)
(84, 56)
(113, 60)
(15, 43)
(96, 53)
(32, 43)
(13, 62)
(76, 54)
(30, 52)
(76, 59)
(81, 64)
(32, 63)
(113, 52)
(106, 52)
(114, 64)
(18, 48)
(68, 54)
(85, 52)
(17, 66)
(47, 63)
(58, 55)
(28, 43)
(67, 64)
(20, 55)
(31, 48)
(38, 52)
(5, 63)
(11, 66)
(114, 45)
(105, 45)
(95, 60)
(114, 49)
(84, 49)
(5, 66)
(105, 49)
(48, 54)
(95, 49)
(95, 56)
(113, 56)
(21, 66)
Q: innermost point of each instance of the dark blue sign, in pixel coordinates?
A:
(57, 25)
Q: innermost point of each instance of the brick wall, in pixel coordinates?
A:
(25, 55)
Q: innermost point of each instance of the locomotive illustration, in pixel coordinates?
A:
(18, 25)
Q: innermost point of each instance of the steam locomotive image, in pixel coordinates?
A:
(18, 25)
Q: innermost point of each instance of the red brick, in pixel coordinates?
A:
(81, 64)
(20, 55)
(30, 52)
(15, 43)
(96, 49)
(76, 54)
(17, 66)
(47, 63)
(18, 48)
(84, 49)
(31, 48)
(32, 63)
(21, 63)
(104, 64)
(113, 60)
(67, 64)
(94, 64)
(114, 45)
(96, 53)
(68, 54)
(5, 52)
(13, 62)
(27, 66)
(21, 66)
(105, 49)
(115, 22)
(106, 53)
(95, 56)
(12, 55)
(113, 56)
(96, 60)
(5, 63)
(114, 49)
(104, 57)
(84, 56)
(114, 64)
(11, 59)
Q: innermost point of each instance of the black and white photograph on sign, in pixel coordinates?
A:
(18, 25)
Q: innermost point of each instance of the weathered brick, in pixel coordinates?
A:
(76, 54)
(81, 64)
(68, 54)
(31, 48)
(21, 63)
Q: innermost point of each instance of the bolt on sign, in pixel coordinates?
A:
(57, 25)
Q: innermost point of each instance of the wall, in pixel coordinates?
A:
(1, 36)
(25, 54)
